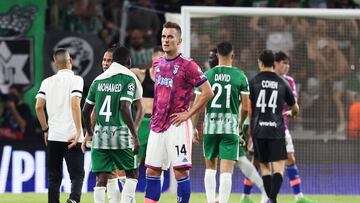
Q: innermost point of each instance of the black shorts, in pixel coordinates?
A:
(270, 150)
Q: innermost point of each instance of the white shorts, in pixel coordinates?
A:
(171, 146)
(289, 143)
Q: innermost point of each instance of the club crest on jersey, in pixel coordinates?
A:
(157, 69)
(176, 68)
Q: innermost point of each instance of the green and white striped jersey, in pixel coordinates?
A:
(222, 111)
(110, 130)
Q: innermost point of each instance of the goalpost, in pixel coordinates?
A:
(324, 47)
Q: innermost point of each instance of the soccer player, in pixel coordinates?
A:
(221, 130)
(112, 93)
(171, 129)
(61, 94)
(147, 80)
(112, 186)
(282, 66)
(268, 94)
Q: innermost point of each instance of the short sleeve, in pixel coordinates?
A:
(77, 88)
(128, 93)
(90, 99)
(289, 96)
(244, 85)
(42, 91)
(251, 90)
(194, 74)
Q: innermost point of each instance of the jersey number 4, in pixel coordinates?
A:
(219, 88)
(105, 108)
(261, 103)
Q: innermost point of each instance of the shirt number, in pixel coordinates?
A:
(105, 108)
(261, 103)
(218, 94)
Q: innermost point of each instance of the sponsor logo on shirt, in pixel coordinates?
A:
(168, 82)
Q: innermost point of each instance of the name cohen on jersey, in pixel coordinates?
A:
(270, 85)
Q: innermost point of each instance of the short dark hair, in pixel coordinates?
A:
(59, 51)
(281, 56)
(170, 24)
(121, 55)
(224, 48)
(267, 58)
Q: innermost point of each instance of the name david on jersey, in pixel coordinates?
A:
(222, 77)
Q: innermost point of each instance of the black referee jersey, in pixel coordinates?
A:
(268, 94)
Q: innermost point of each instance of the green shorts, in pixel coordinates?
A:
(225, 146)
(107, 160)
(143, 135)
(242, 151)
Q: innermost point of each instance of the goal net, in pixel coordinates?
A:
(323, 45)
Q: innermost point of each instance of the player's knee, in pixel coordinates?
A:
(133, 173)
(181, 173)
(153, 172)
(101, 180)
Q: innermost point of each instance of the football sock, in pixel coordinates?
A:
(153, 189)
(113, 191)
(99, 194)
(252, 175)
(267, 184)
(210, 185)
(184, 190)
(277, 180)
(292, 173)
(128, 193)
(225, 187)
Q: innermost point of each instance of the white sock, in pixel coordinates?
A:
(161, 180)
(128, 193)
(225, 187)
(249, 170)
(210, 185)
(113, 191)
(122, 180)
(299, 195)
(99, 194)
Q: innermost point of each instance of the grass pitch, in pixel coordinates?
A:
(171, 198)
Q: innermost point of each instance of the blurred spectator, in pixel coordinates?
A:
(146, 21)
(313, 4)
(17, 120)
(353, 92)
(140, 56)
(83, 16)
(111, 21)
(342, 4)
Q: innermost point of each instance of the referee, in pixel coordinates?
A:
(268, 94)
(61, 94)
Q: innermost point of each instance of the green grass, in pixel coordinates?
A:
(171, 198)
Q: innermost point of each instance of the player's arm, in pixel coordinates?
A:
(199, 115)
(291, 101)
(40, 113)
(140, 74)
(139, 113)
(244, 108)
(86, 112)
(125, 112)
(203, 98)
(76, 113)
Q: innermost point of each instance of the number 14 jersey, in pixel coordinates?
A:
(222, 111)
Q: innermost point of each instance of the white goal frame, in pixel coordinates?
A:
(188, 12)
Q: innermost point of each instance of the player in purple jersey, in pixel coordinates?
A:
(171, 129)
(282, 66)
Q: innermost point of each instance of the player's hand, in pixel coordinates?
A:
(46, 134)
(250, 144)
(242, 141)
(196, 137)
(86, 140)
(177, 118)
(73, 140)
(289, 114)
(136, 145)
